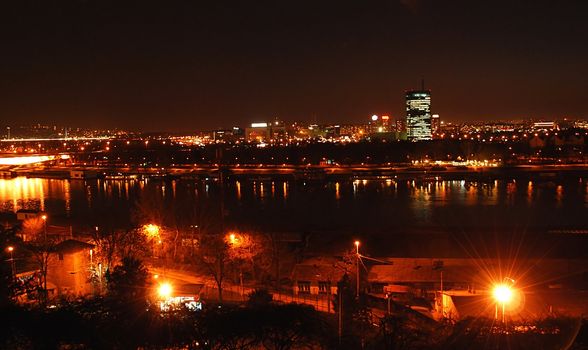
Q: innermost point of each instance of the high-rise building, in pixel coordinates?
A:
(386, 123)
(401, 124)
(435, 124)
(418, 115)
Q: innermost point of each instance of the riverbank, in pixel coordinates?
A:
(309, 172)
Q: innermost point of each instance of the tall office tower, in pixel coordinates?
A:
(401, 124)
(418, 115)
(386, 123)
(435, 124)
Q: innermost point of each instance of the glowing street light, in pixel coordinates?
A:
(44, 217)
(503, 294)
(165, 290)
(10, 249)
(151, 231)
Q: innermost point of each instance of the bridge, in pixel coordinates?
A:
(97, 138)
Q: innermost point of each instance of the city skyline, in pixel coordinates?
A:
(331, 174)
(188, 65)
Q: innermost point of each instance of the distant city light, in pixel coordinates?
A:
(259, 125)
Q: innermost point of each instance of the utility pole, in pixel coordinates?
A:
(340, 312)
(442, 297)
(357, 269)
(12, 266)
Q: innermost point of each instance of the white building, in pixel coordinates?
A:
(418, 115)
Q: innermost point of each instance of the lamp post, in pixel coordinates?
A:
(235, 241)
(44, 217)
(12, 266)
(357, 268)
(388, 297)
(503, 294)
(165, 290)
(152, 232)
(340, 318)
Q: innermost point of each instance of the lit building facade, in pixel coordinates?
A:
(418, 115)
(435, 124)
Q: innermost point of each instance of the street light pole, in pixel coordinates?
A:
(357, 268)
(44, 217)
(503, 293)
(12, 266)
(340, 316)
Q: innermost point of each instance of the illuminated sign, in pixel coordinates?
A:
(259, 125)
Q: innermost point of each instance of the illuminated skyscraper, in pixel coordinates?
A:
(418, 115)
(435, 124)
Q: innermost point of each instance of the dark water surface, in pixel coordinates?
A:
(361, 205)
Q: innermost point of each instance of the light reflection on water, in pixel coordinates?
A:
(366, 202)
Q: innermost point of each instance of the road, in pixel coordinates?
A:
(236, 293)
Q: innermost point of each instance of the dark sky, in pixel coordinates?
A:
(186, 65)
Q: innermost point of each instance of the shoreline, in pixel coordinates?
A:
(310, 172)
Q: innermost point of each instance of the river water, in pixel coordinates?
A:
(360, 205)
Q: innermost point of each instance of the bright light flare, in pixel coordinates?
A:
(151, 231)
(234, 239)
(30, 159)
(502, 293)
(165, 290)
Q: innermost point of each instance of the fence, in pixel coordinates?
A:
(235, 293)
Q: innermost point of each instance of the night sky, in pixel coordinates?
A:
(193, 65)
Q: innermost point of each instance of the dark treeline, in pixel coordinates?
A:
(102, 323)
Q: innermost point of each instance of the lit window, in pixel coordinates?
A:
(304, 287)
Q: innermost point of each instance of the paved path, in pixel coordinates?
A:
(235, 293)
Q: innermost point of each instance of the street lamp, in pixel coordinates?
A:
(503, 294)
(152, 232)
(238, 242)
(388, 298)
(357, 268)
(12, 266)
(44, 217)
(165, 290)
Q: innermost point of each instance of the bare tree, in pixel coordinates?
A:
(42, 249)
(43, 252)
(112, 245)
(32, 228)
(213, 255)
